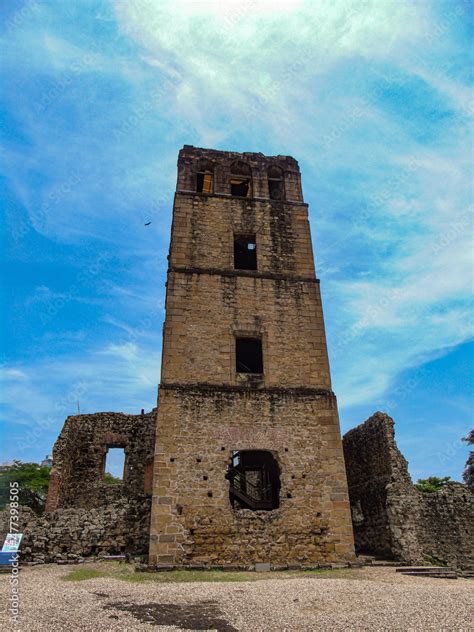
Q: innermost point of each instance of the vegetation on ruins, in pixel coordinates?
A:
(468, 474)
(432, 483)
(110, 479)
(124, 572)
(33, 481)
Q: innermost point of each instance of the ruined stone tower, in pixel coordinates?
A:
(248, 458)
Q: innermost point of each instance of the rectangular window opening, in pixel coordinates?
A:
(114, 466)
(204, 182)
(248, 355)
(275, 188)
(245, 252)
(240, 187)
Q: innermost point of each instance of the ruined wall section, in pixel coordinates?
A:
(85, 515)
(118, 527)
(446, 531)
(79, 459)
(390, 516)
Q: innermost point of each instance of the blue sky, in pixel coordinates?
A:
(373, 98)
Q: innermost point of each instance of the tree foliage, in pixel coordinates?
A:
(468, 474)
(110, 479)
(432, 483)
(33, 481)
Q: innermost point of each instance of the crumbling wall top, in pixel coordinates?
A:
(79, 458)
(256, 159)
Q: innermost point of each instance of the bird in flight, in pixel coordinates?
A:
(148, 223)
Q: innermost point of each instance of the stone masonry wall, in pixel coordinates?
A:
(446, 531)
(79, 458)
(206, 312)
(84, 515)
(391, 517)
(120, 527)
(209, 410)
(194, 521)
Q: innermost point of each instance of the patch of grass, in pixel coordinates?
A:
(80, 574)
(192, 576)
(434, 561)
(125, 573)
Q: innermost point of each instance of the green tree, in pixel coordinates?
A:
(33, 481)
(110, 479)
(432, 483)
(468, 474)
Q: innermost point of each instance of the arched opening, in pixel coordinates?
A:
(241, 179)
(205, 177)
(276, 184)
(254, 477)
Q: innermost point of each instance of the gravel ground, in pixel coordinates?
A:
(360, 599)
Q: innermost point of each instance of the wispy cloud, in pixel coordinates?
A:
(373, 98)
(357, 92)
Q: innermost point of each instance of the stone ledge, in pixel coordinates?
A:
(228, 196)
(252, 274)
(202, 387)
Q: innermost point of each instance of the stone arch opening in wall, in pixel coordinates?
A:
(276, 183)
(240, 179)
(205, 177)
(254, 480)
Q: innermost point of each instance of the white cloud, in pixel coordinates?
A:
(337, 85)
(38, 397)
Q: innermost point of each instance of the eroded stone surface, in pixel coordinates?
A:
(208, 410)
(391, 517)
(84, 515)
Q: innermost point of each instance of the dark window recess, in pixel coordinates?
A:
(239, 187)
(245, 252)
(241, 179)
(248, 355)
(254, 480)
(276, 188)
(204, 182)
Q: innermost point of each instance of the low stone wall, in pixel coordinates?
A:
(391, 518)
(446, 530)
(120, 527)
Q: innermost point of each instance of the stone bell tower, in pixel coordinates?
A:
(248, 459)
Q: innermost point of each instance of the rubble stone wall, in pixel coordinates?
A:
(119, 527)
(391, 517)
(85, 515)
(446, 531)
(79, 459)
